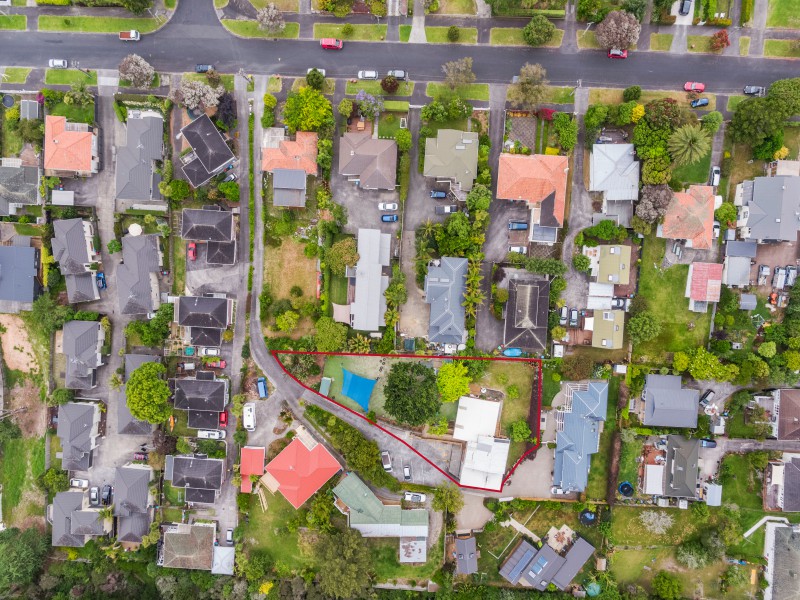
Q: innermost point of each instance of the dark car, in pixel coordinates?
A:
(754, 90)
(699, 102)
(389, 218)
(686, 7)
(106, 495)
(617, 53)
(438, 194)
(573, 317)
(203, 68)
(706, 443)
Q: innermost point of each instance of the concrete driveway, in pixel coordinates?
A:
(202, 278)
(474, 515)
(362, 205)
(682, 19)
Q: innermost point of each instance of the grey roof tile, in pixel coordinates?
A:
(136, 277)
(135, 160)
(131, 489)
(210, 148)
(207, 225)
(81, 345)
(200, 311)
(373, 161)
(667, 404)
(444, 291)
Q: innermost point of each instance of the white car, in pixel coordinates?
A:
(249, 416)
(211, 434)
(414, 497)
(367, 74)
(57, 63)
(316, 69)
(79, 483)
(209, 351)
(387, 206)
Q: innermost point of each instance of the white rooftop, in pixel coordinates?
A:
(476, 418)
(485, 463)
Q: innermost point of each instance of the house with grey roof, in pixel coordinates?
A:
(538, 568)
(370, 278)
(783, 555)
(78, 429)
(768, 209)
(134, 361)
(19, 186)
(667, 404)
(200, 477)
(579, 423)
(783, 484)
(132, 502)
(127, 424)
(207, 225)
(527, 310)
(681, 470)
(137, 276)
(82, 344)
(19, 275)
(204, 318)
(614, 170)
(739, 257)
(136, 176)
(74, 521)
(452, 156)
(466, 555)
(73, 249)
(444, 291)
(210, 153)
(203, 397)
(289, 188)
(369, 162)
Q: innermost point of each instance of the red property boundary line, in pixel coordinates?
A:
(536, 361)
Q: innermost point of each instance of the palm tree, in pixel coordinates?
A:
(689, 144)
(428, 228)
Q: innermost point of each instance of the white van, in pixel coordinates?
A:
(211, 434)
(249, 416)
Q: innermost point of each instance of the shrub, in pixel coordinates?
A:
(347, 30)
(747, 11)
(538, 31)
(633, 92)
(719, 41)
(453, 33)
(390, 84)
(270, 101)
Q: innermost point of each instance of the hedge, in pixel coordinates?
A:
(747, 11)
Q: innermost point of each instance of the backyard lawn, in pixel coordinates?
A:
(597, 485)
(473, 91)
(681, 330)
(512, 36)
(387, 567)
(389, 124)
(69, 77)
(406, 88)
(96, 24)
(628, 467)
(743, 167)
(501, 375)
(699, 172)
(339, 286)
(550, 387)
(743, 487)
(303, 272)
(12, 142)
(20, 467)
(364, 33)
(438, 35)
(251, 29)
(784, 13)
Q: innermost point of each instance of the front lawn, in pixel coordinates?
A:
(405, 32)
(559, 95)
(781, 48)
(512, 36)
(587, 39)
(282, 5)
(328, 87)
(473, 91)
(363, 33)
(389, 124)
(681, 330)
(783, 13)
(275, 84)
(96, 24)
(225, 80)
(438, 35)
(18, 22)
(250, 29)
(69, 77)
(456, 7)
(660, 42)
(16, 74)
(406, 88)
(733, 102)
(697, 173)
(74, 112)
(699, 43)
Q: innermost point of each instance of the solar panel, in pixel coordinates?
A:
(520, 566)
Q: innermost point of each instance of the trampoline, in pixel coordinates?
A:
(357, 388)
(626, 489)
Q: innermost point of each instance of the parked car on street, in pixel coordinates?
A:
(203, 68)
(58, 63)
(573, 317)
(387, 206)
(414, 497)
(107, 494)
(368, 74)
(438, 194)
(94, 496)
(386, 461)
(211, 434)
(209, 352)
(79, 483)
(407, 472)
(700, 102)
(191, 251)
(331, 44)
(694, 86)
(130, 36)
(316, 69)
(617, 53)
(399, 74)
(754, 90)
(389, 218)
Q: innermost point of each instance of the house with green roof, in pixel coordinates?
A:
(608, 329)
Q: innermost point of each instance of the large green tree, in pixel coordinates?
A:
(341, 255)
(411, 393)
(538, 31)
(448, 498)
(530, 88)
(644, 327)
(22, 555)
(452, 381)
(756, 119)
(689, 144)
(348, 564)
(331, 336)
(147, 393)
(307, 110)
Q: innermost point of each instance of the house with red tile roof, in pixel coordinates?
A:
(690, 217)
(540, 181)
(251, 462)
(280, 153)
(301, 469)
(70, 149)
(703, 285)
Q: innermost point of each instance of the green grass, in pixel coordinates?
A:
(225, 80)
(628, 467)
(339, 286)
(73, 112)
(473, 91)
(282, 5)
(781, 49)
(456, 7)
(69, 77)
(406, 88)
(250, 29)
(405, 32)
(16, 74)
(520, 374)
(783, 13)
(12, 141)
(96, 24)
(742, 488)
(699, 43)
(27, 229)
(221, 3)
(597, 485)
(175, 496)
(696, 173)
(512, 36)
(559, 95)
(20, 467)
(388, 568)
(275, 84)
(363, 33)
(734, 101)
(328, 88)
(18, 22)
(389, 124)
(178, 266)
(170, 4)
(744, 45)
(664, 290)
(438, 35)
(660, 42)
(154, 82)
(587, 39)
(550, 387)
(396, 106)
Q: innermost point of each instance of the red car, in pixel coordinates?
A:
(223, 419)
(694, 86)
(331, 44)
(217, 364)
(192, 251)
(617, 53)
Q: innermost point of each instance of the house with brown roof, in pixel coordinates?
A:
(703, 285)
(369, 162)
(280, 153)
(541, 181)
(787, 408)
(690, 217)
(187, 546)
(70, 149)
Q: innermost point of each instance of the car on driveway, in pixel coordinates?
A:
(694, 86)
(414, 497)
(399, 74)
(94, 496)
(100, 280)
(211, 434)
(387, 206)
(386, 461)
(331, 44)
(203, 68)
(754, 90)
(707, 398)
(209, 352)
(573, 317)
(407, 472)
(389, 218)
(699, 102)
(217, 364)
(716, 173)
(686, 7)
(563, 316)
(446, 210)
(518, 249)
(107, 494)
(249, 416)
(706, 443)
(192, 251)
(223, 419)
(57, 63)
(368, 74)
(439, 195)
(716, 229)
(617, 53)
(79, 483)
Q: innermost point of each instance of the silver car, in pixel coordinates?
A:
(57, 63)
(399, 74)
(367, 74)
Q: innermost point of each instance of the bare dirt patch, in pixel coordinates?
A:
(17, 350)
(31, 421)
(33, 501)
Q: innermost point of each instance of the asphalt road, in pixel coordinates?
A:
(195, 36)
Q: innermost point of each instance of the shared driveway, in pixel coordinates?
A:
(362, 205)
